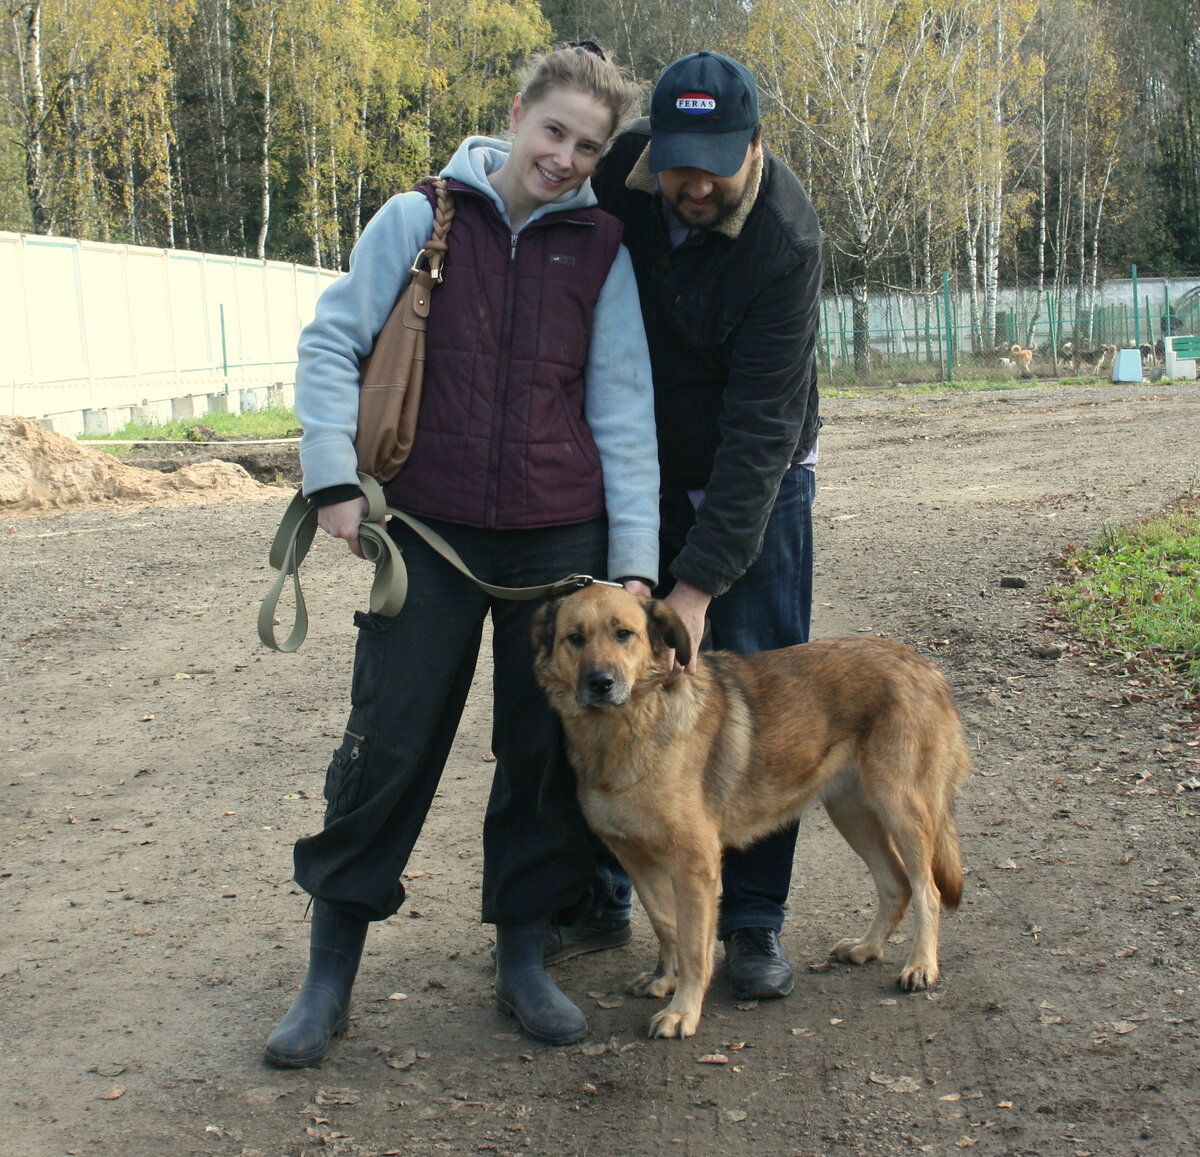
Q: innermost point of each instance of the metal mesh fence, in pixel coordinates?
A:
(908, 339)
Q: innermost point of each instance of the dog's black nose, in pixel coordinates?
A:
(600, 682)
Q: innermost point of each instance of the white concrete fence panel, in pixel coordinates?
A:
(94, 334)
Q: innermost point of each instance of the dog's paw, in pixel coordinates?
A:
(673, 1024)
(918, 976)
(854, 951)
(651, 984)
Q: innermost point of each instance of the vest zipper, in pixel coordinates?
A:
(491, 501)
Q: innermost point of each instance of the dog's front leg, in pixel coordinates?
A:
(695, 886)
(653, 885)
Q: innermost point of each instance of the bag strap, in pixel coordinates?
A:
(434, 250)
(389, 588)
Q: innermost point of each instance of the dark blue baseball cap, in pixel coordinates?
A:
(702, 115)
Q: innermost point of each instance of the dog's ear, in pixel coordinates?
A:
(667, 630)
(541, 632)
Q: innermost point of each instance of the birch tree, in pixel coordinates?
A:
(862, 86)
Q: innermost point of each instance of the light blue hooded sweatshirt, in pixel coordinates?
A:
(619, 401)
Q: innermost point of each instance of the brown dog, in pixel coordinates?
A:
(1021, 358)
(670, 775)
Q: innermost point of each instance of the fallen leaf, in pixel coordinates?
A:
(335, 1097)
(263, 1095)
(896, 1084)
(110, 1070)
(1121, 1027)
(113, 1093)
(714, 1059)
(404, 1061)
(398, 996)
(735, 1115)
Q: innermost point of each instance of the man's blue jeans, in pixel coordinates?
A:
(769, 606)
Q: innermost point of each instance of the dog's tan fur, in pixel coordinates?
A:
(668, 776)
(1022, 359)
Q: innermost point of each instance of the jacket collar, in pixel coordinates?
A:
(642, 180)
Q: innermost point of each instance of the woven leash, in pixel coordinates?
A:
(389, 588)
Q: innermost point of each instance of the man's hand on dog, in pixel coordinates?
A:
(691, 605)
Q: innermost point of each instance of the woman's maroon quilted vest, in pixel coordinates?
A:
(501, 441)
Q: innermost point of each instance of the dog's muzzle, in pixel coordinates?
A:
(599, 687)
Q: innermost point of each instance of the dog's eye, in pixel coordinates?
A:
(575, 638)
(624, 634)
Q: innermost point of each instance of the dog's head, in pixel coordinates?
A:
(601, 646)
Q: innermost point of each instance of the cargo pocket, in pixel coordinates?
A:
(343, 780)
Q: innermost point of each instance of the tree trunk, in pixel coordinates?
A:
(265, 143)
(34, 93)
(860, 320)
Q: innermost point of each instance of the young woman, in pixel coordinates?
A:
(536, 419)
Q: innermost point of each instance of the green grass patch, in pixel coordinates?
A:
(1136, 593)
(270, 423)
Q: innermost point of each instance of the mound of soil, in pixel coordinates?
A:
(41, 470)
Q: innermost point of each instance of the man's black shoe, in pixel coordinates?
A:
(758, 969)
(590, 934)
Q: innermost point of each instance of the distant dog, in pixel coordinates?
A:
(668, 776)
(1022, 359)
(1092, 359)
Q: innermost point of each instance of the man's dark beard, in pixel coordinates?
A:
(724, 210)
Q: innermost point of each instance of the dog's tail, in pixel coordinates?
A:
(947, 864)
(947, 851)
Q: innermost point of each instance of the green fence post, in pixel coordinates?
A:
(1137, 328)
(224, 353)
(828, 346)
(949, 330)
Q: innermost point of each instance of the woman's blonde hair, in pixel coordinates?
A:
(584, 68)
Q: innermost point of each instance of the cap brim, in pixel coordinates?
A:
(721, 154)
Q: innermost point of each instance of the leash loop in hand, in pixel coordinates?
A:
(389, 588)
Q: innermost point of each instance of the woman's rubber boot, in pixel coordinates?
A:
(322, 1008)
(525, 990)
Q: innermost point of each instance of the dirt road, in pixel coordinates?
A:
(157, 764)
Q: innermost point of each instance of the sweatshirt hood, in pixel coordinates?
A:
(476, 157)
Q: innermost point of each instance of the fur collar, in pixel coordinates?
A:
(642, 180)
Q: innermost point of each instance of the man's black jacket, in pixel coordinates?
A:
(731, 317)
